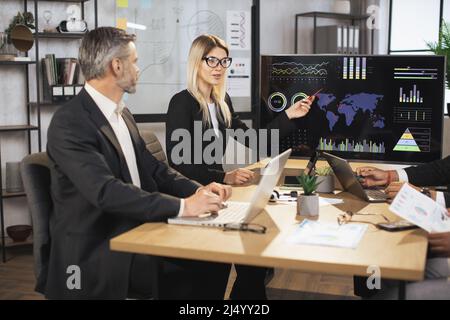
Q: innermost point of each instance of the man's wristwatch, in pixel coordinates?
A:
(426, 192)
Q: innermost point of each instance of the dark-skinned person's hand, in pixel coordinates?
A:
(393, 189)
(439, 245)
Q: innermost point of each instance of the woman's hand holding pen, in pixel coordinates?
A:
(300, 108)
(238, 177)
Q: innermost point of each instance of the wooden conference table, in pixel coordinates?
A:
(399, 255)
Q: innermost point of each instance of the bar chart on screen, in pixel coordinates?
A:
(413, 115)
(411, 96)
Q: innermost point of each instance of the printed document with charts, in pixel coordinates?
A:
(328, 234)
(421, 210)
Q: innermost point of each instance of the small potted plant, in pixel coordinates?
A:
(308, 201)
(325, 179)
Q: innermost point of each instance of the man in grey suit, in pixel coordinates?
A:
(105, 182)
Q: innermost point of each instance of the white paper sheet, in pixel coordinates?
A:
(328, 234)
(239, 83)
(239, 30)
(420, 210)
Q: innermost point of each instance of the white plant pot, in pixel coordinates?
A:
(308, 205)
(326, 184)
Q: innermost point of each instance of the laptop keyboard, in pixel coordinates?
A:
(235, 212)
(376, 194)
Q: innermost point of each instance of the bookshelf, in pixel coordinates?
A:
(315, 15)
(35, 106)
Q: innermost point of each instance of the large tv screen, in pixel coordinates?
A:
(382, 108)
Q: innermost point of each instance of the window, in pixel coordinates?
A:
(408, 34)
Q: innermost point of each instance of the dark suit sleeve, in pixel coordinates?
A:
(436, 173)
(180, 116)
(168, 180)
(73, 147)
(447, 199)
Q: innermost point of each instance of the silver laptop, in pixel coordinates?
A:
(240, 212)
(350, 182)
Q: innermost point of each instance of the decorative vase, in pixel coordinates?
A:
(326, 184)
(308, 205)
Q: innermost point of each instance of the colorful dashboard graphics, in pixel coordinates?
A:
(413, 97)
(370, 107)
(348, 145)
(299, 71)
(354, 68)
(413, 115)
(298, 96)
(415, 140)
(277, 102)
(409, 73)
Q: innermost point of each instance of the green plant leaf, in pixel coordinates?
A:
(308, 183)
(324, 171)
(442, 47)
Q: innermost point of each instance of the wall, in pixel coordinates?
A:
(13, 98)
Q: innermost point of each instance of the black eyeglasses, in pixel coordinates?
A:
(252, 227)
(346, 217)
(213, 62)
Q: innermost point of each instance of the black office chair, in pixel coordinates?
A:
(153, 145)
(36, 180)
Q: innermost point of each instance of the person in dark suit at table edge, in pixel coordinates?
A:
(436, 173)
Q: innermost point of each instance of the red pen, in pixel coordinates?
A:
(315, 94)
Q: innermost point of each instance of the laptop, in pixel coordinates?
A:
(350, 182)
(243, 212)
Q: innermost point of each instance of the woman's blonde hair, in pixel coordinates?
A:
(201, 46)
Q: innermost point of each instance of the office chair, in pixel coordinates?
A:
(153, 145)
(36, 180)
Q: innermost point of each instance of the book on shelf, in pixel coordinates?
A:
(62, 78)
(24, 59)
(341, 39)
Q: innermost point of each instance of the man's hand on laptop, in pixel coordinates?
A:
(373, 177)
(208, 199)
(223, 191)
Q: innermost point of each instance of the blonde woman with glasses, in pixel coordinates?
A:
(205, 101)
